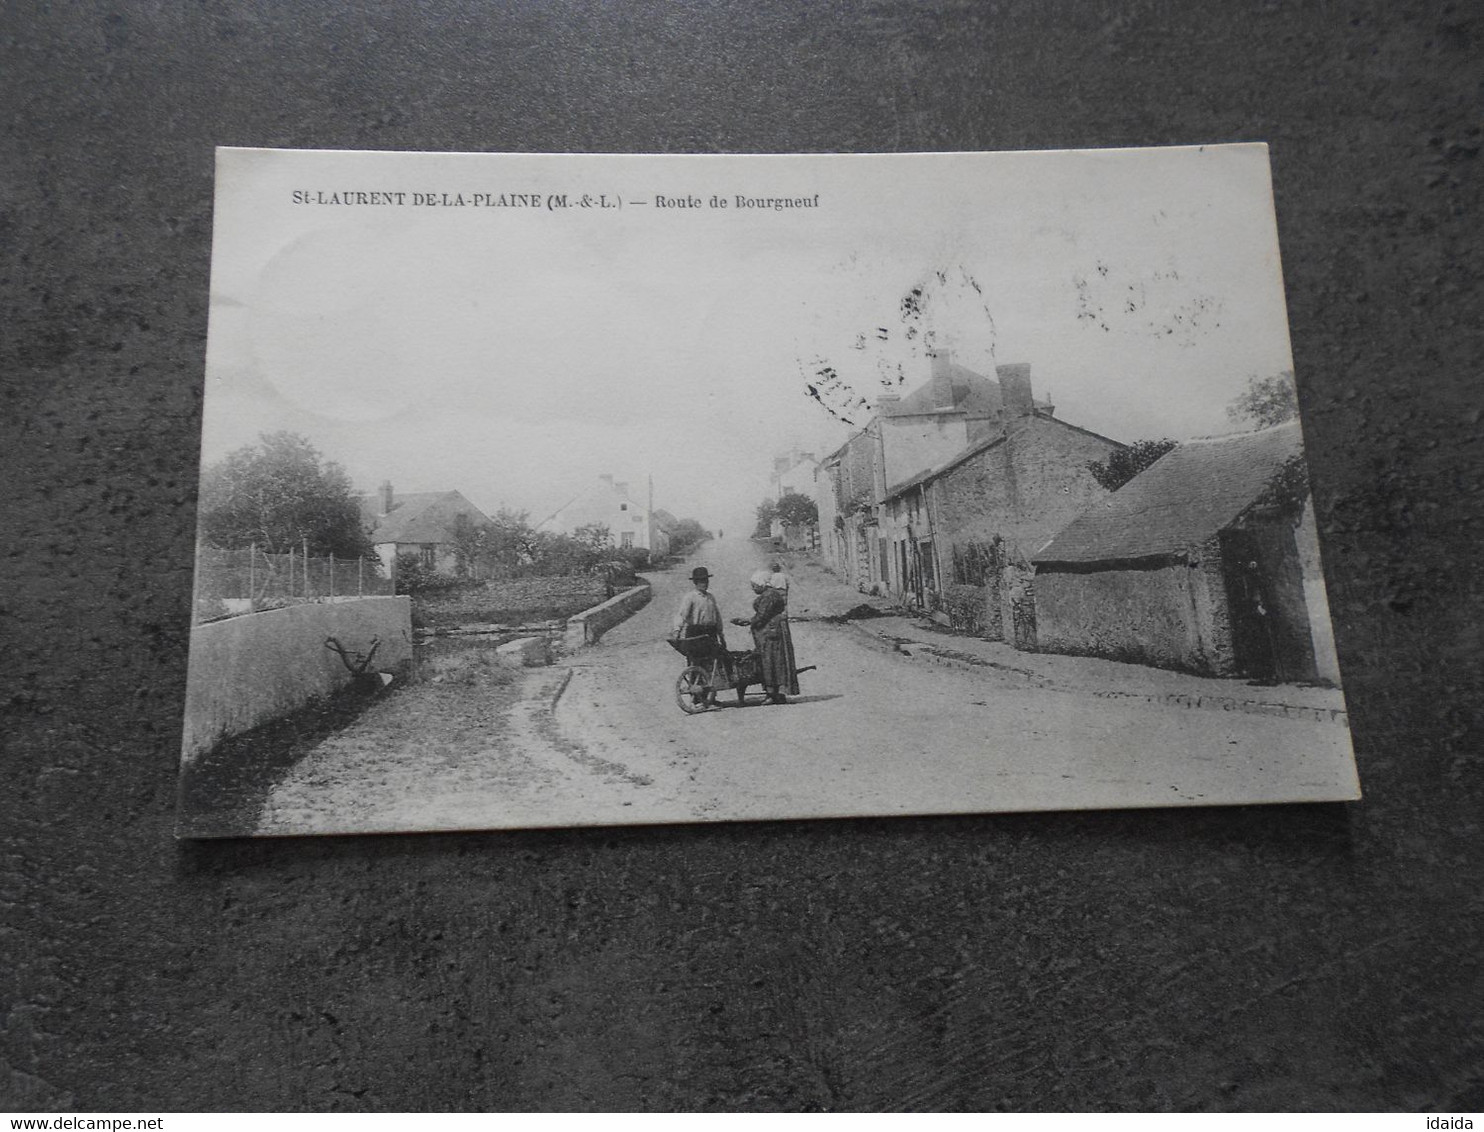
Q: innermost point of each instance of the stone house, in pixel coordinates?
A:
(793, 471)
(847, 486)
(793, 474)
(909, 504)
(631, 523)
(960, 533)
(420, 523)
(908, 434)
(1206, 562)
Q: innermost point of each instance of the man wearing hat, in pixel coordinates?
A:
(700, 616)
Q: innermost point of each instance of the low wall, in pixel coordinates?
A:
(1166, 617)
(248, 670)
(586, 627)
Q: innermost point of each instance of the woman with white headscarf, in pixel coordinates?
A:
(771, 639)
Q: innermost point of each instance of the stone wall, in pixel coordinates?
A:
(248, 670)
(1024, 489)
(588, 626)
(1171, 616)
(1048, 461)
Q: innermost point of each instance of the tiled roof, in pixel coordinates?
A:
(1185, 497)
(973, 394)
(420, 516)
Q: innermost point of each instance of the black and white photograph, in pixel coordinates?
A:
(564, 490)
(890, 557)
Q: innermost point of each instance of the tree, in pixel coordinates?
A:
(470, 545)
(280, 494)
(1123, 464)
(686, 534)
(554, 553)
(767, 511)
(796, 510)
(1267, 401)
(596, 538)
(511, 540)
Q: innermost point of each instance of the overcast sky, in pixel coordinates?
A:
(516, 353)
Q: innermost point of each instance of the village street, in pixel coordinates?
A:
(875, 731)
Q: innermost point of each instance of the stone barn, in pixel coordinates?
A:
(1206, 562)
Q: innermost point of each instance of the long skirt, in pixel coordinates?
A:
(775, 650)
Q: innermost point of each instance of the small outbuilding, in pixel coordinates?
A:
(1206, 562)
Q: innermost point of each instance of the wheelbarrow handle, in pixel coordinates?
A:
(811, 668)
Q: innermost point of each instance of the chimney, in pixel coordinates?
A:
(1015, 390)
(941, 360)
(386, 497)
(623, 488)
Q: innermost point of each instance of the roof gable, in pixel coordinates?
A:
(984, 445)
(595, 504)
(420, 516)
(973, 393)
(1192, 492)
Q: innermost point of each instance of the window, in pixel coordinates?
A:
(628, 538)
(430, 557)
(623, 506)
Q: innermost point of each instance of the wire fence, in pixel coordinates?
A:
(241, 581)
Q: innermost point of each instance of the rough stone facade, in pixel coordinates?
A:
(1171, 613)
(848, 486)
(1012, 492)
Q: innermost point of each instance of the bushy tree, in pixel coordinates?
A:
(577, 553)
(1123, 464)
(595, 537)
(281, 494)
(687, 533)
(1267, 401)
(766, 512)
(510, 543)
(796, 510)
(471, 541)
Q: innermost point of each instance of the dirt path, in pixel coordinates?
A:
(469, 755)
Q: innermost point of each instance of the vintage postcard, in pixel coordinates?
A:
(552, 490)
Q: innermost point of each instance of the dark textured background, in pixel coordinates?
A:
(1284, 957)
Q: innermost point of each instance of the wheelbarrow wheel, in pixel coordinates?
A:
(693, 690)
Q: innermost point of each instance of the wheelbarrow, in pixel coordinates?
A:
(706, 673)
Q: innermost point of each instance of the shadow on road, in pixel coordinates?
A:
(758, 701)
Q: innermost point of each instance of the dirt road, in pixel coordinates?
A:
(872, 733)
(875, 733)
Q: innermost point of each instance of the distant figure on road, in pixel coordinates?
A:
(700, 616)
(771, 639)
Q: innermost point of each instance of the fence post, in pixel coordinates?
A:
(252, 580)
(360, 575)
